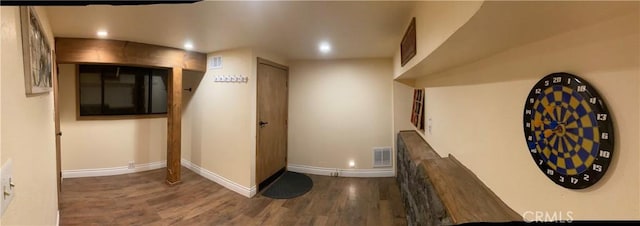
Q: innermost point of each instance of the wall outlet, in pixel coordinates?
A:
(132, 165)
(7, 186)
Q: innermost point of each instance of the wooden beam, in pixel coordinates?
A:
(102, 51)
(174, 116)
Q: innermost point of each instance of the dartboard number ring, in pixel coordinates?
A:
(568, 130)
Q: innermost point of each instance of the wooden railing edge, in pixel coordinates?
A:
(475, 177)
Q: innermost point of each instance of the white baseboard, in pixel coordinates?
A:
(245, 191)
(381, 172)
(113, 170)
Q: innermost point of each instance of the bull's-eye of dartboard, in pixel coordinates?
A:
(568, 130)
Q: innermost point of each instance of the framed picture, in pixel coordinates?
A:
(36, 51)
(408, 44)
(417, 118)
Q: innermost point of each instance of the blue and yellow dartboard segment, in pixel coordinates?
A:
(568, 130)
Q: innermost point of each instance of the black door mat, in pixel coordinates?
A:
(289, 185)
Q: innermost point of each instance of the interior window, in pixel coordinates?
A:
(122, 90)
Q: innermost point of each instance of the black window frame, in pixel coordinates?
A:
(105, 68)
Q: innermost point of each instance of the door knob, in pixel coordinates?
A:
(263, 124)
(59, 133)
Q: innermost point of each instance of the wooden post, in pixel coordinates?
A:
(174, 117)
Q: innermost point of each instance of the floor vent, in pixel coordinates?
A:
(382, 157)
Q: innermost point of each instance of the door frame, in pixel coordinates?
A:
(58, 130)
(257, 126)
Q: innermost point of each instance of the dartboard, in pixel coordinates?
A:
(568, 130)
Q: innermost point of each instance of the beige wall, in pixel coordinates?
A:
(27, 132)
(338, 111)
(477, 116)
(402, 106)
(435, 22)
(219, 122)
(92, 144)
(219, 118)
(189, 80)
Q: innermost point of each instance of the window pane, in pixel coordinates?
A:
(124, 91)
(159, 91)
(90, 93)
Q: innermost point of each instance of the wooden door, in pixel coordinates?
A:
(58, 133)
(271, 152)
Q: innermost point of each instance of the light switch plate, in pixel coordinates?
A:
(5, 186)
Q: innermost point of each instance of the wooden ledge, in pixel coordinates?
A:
(416, 146)
(119, 117)
(464, 196)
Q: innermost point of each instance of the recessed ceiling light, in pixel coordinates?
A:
(324, 47)
(102, 33)
(188, 46)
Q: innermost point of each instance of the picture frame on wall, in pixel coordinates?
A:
(417, 112)
(408, 44)
(37, 54)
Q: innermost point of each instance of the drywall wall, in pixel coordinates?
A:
(402, 106)
(219, 120)
(339, 110)
(435, 22)
(189, 80)
(28, 136)
(477, 116)
(96, 144)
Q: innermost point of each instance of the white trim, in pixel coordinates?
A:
(311, 169)
(113, 170)
(387, 172)
(229, 184)
(58, 218)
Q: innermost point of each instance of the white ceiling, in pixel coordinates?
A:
(292, 30)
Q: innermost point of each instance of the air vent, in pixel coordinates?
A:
(215, 62)
(382, 157)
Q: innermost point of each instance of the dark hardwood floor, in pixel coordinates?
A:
(144, 199)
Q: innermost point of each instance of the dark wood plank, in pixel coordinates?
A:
(418, 149)
(102, 51)
(143, 199)
(464, 196)
(174, 129)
